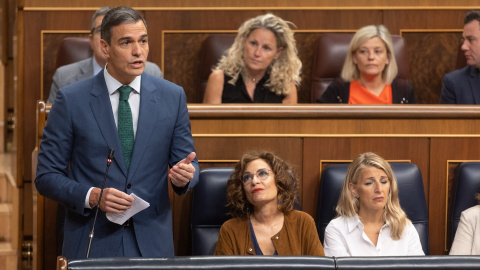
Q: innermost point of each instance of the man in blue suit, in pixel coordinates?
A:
(82, 128)
(462, 86)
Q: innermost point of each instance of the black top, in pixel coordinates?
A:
(238, 93)
(256, 247)
(339, 92)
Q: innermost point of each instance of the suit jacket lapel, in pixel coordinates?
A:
(146, 119)
(474, 79)
(102, 110)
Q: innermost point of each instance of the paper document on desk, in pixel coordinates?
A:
(138, 205)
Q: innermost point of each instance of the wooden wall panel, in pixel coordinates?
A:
(431, 55)
(182, 52)
(355, 4)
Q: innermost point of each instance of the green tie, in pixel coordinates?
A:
(125, 124)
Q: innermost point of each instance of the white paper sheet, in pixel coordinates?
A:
(138, 205)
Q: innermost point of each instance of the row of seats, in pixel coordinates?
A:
(276, 263)
(329, 54)
(209, 212)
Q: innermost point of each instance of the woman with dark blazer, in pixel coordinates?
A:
(369, 72)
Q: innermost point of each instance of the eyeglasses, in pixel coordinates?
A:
(261, 174)
(96, 29)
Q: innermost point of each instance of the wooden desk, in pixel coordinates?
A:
(434, 137)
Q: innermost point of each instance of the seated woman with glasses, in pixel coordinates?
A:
(370, 220)
(261, 193)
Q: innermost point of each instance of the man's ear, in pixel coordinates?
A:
(90, 40)
(105, 48)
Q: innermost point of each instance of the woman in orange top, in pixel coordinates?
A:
(369, 71)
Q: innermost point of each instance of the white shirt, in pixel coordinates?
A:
(133, 100)
(344, 236)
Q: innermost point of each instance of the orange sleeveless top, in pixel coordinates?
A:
(361, 95)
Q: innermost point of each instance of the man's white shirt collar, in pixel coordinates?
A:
(113, 84)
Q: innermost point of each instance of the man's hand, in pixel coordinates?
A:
(113, 200)
(183, 172)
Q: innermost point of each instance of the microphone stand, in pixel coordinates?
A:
(109, 161)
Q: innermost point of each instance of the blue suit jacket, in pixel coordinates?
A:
(461, 86)
(73, 154)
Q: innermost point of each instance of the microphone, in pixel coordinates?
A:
(109, 161)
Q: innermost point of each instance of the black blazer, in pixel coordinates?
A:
(461, 86)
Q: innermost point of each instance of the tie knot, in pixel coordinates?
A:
(124, 92)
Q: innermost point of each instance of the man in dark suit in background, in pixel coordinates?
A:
(89, 67)
(462, 86)
(153, 133)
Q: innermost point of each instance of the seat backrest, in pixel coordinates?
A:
(213, 47)
(329, 55)
(465, 186)
(209, 211)
(410, 192)
(73, 49)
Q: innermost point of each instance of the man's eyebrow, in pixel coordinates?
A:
(130, 38)
(124, 38)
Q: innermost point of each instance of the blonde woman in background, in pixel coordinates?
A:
(369, 72)
(262, 65)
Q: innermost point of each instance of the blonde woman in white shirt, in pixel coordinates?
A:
(370, 221)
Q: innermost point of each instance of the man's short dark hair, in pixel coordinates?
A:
(471, 16)
(117, 16)
(100, 12)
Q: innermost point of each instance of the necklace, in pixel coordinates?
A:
(249, 78)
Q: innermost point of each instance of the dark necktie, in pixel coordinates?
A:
(125, 124)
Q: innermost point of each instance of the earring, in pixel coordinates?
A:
(355, 196)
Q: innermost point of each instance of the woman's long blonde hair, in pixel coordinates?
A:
(283, 71)
(349, 206)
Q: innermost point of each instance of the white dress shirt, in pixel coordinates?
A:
(133, 100)
(344, 236)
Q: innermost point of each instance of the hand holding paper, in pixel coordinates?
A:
(138, 205)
